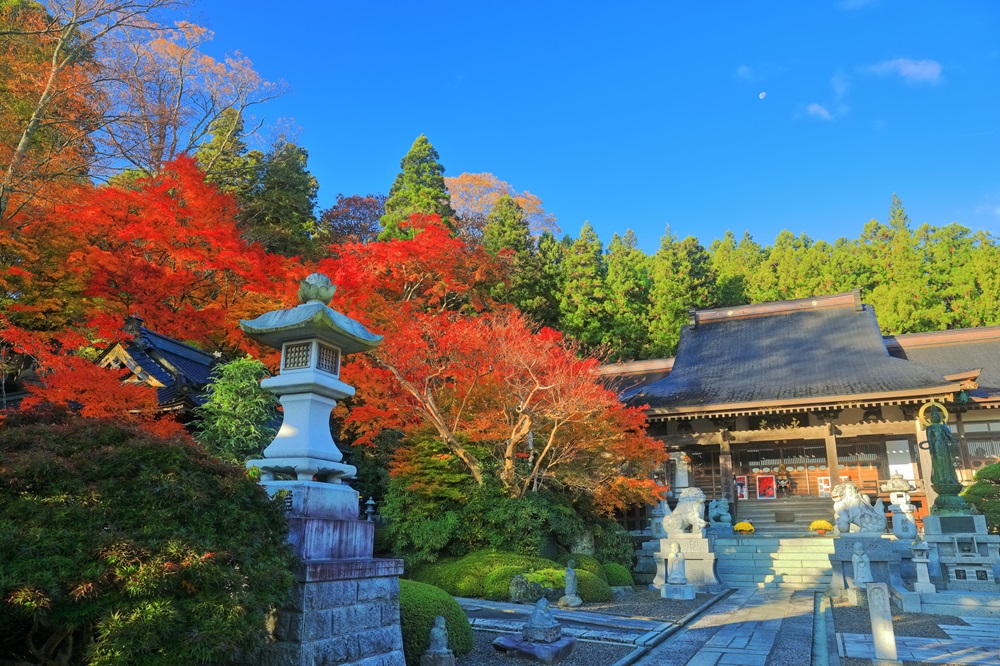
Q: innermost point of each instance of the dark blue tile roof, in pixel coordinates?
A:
(805, 354)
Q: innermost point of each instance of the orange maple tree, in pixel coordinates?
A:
(498, 393)
(473, 196)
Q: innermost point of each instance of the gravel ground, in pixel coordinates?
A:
(585, 654)
(855, 620)
(648, 604)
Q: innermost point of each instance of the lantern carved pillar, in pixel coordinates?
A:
(339, 585)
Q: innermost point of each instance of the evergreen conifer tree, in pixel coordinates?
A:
(507, 235)
(419, 188)
(581, 306)
(682, 279)
(627, 298)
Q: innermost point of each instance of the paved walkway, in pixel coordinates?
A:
(749, 628)
(599, 627)
(976, 645)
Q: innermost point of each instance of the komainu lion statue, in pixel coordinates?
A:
(851, 507)
(687, 515)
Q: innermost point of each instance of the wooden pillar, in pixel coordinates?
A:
(831, 456)
(926, 466)
(726, 467)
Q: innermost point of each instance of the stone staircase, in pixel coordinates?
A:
(785, 517)
(773, 562)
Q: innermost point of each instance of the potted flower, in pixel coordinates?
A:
(743, 527)
(820, 526)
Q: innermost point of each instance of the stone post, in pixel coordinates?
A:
(881, 617)
(344, 607)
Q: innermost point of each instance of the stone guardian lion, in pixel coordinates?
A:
(687, 515)
(850, 507)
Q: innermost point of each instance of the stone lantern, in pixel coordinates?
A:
(338, 582)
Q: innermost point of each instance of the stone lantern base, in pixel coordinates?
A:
(344, 607)
(341, 612)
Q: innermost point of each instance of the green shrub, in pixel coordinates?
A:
(118, 547)
(591, 588)
(464, 576)
(496, 586)
(419, 604)
(586, 563)
(612, 543)
(984, 494)
(618, 575)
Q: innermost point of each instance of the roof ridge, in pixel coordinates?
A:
(850, 298)
(936, 338)
(177, 342)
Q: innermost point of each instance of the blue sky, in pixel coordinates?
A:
(642, 114)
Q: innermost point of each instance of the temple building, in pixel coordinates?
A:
(789, 399)
(180, 373)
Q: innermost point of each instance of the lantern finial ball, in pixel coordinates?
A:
(316, 288)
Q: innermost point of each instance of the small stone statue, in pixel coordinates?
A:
(862, 565)
(541, 627)
(438, 653)
(570, 598)
(570, 577)
(718, 512)
(675, 566)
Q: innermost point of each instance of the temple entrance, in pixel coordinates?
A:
(786, 469)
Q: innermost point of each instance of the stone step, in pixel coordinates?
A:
(759, 572)
(735, 578)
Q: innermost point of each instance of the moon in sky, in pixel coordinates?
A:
(762, 95)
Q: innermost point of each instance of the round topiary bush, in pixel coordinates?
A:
(586, 563)
(465, 576)
(591, 588)
(496, 586)
(984, 494)
(419, 604)
(119, 547)
(617, 575)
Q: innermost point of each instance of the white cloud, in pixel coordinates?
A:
(914, 71)
(840, 84)
(744, 72)
(819, 111)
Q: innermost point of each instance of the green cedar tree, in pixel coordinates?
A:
(419, 188)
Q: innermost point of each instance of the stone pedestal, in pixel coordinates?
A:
(965, 556)
(570, 601)
(884, 561)
(699, 563)
(669, 591)
(340, 612)
(545, 653)
(443, 659)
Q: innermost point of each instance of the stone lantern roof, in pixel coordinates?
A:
(313, 318)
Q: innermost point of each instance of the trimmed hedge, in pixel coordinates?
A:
(497, 584)
(586, 563)
(465, 576)
(589, 587)
(419, 604)
(617, 575)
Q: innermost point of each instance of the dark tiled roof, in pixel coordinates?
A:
(796, 355)
(957, 356)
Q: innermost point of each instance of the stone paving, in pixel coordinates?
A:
(744, 629)
(977, 644)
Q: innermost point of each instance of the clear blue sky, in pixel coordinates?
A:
(647, 113)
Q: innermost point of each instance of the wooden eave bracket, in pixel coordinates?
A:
(967, 380)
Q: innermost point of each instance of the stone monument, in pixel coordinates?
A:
(438, 653)
(962, 553)
(686, 527)
(920, 561)
(337, 609)
(677, 586)
(570, 599)
(541, 638)
(880, 612)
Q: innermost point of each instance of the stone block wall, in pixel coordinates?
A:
(341, 613)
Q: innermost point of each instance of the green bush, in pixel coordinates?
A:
(589, 587)
(586, 563)
(612, 543)
(118, 547)
(496, 586)
(618, 575)
(419, 604)
(984, 494)
(465, 576)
